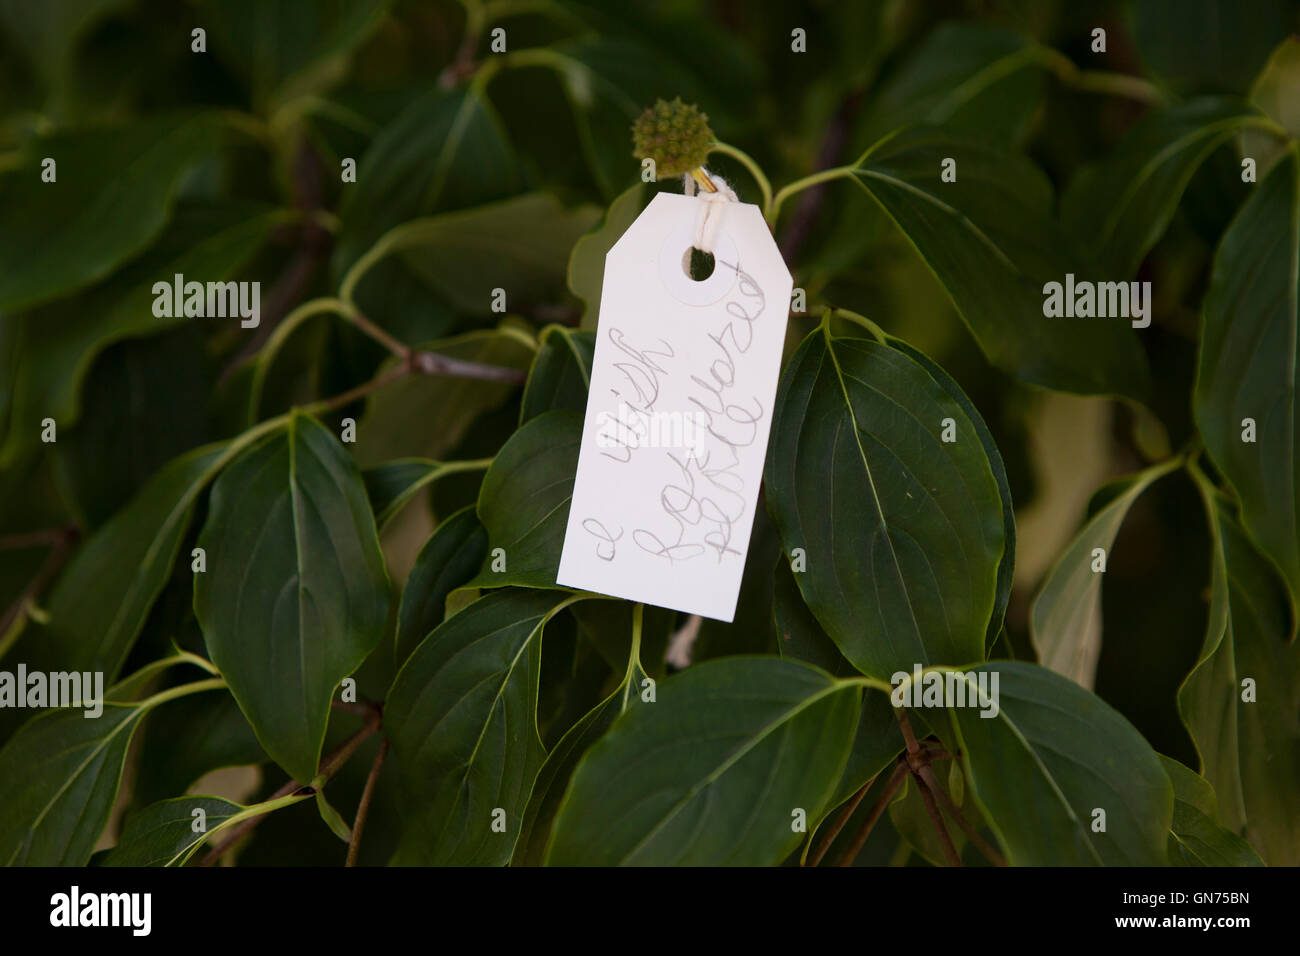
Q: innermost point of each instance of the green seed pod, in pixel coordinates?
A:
(675, 135)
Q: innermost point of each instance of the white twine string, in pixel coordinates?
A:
(711, 209)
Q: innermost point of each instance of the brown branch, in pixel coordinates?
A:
(906, 726)
(972, 834)
(37, 539)
(949, 851)
(329, 765)
(810, 201)
(354, 848)
(68, 535)
(859, 841)
(838, 824)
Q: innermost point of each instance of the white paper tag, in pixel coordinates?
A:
(682, 387)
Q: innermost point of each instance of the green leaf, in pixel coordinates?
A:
(1119, 207)
(427, 415)
(561, 373)
(462, 719)
(524, 501)
(188, 738)
(991, 239)
(586, 274)
(103, 597)
(1196, 838)
(286, 48)
(58, 237)
(711, 772)
(1248, 366)
(1250, 750)
(295, 595)
(520, 245)
(1065, 619)
(1209, 45)
(47, 33)
(332, 819)
(60, 343)
(392, 485)
(163, 834)
(912, 820)
(1052, 755)
(448, 559)
(447, 150)
(916, 580)
(59, 774)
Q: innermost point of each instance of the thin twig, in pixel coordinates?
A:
(53, 562)
(838, 824)
(949, 851)
(238, 831)
(994, 857)
(912, 746)
(806, 212)
(891, 787)
(433, 363)
(364, 807)
(36, 539)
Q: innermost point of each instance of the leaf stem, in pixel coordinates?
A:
(993, 856)
(354, 848)
(838, 824)
(1097, 81)
(936, 818)
(785, 192)
(764, 185)
(859, 841)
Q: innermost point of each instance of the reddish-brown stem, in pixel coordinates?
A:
(949, 851)
(860, 840)
(53, 562)
(838, 824)
(363, 808)
(972, 834)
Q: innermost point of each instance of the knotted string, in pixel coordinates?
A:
(712, 207)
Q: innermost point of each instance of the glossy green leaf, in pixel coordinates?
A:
(1196, 838)
(448, 559)
(524, 501)
(60, 771)
(1065, 618)
(561, 373)
(295, 595)
(462, 718)
(163, 834)
(58, 237)
(392, 485)
(1119, 207)
(1248, 368)
(103, 597)
(1250, 750)
(1050, 757)
(903, 533)
(991, 239)
(711, 773)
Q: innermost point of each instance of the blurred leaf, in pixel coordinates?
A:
(447, 150)
(146, 403)
(1199, 46)
(524, 501)
(1119, 207)
(587, 260)
(561, 373)
(992, 241)
(448, 559)
(1250, 750)
(295, 595)
(163, 834)
(58, 237)
(59, 344)
(520, 245)
(1196, 839)
(917, 581)
(462, 718)
(189, 738)
(1248, 366)
(283, 46)
(709, 774)
(1052, 755)
(48, 32)
(426, 415)
(1065, 618)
